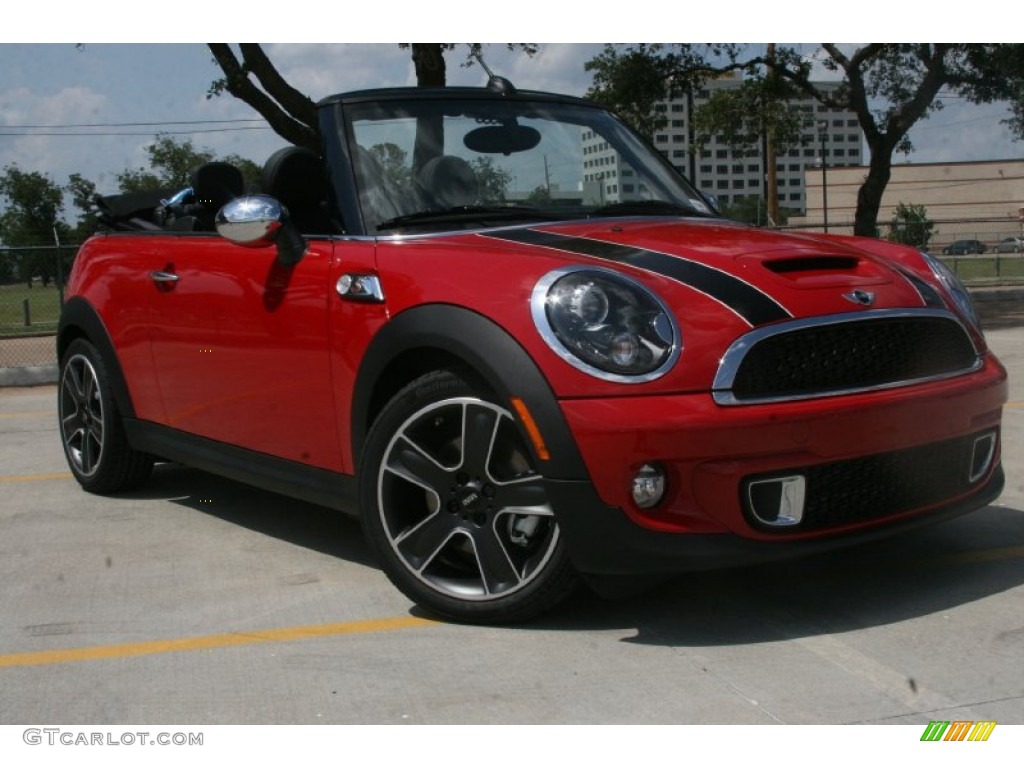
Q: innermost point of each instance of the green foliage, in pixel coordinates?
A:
(32, 218)
(910, 225)
(540, 195)
(33, 206)
(743, 115)
(83, 194)
(492, 180)
(393, 159)
(752, 209)
(252, 173)
(171, 163)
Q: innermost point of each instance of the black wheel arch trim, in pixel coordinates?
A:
(492, 353)
(77, 313)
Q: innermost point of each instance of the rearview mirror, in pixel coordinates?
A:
(501, 139)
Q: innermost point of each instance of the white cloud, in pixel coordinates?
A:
(55, 155)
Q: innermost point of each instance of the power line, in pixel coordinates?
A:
(136, 125)
(143, 133)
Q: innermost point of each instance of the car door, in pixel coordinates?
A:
(240, 346)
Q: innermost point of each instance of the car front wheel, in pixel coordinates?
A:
(91, 432)
(455, 509)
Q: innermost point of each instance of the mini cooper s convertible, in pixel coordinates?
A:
(505, 333)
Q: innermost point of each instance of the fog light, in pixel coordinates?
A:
(648, 486)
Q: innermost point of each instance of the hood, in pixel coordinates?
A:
(759, 275)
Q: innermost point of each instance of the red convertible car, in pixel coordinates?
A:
(505, 333)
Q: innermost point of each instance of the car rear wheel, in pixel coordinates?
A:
(91, 431)
(455, 509)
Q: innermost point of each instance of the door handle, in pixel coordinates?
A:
(163, 277)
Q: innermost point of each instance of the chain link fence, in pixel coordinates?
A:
(31, 294)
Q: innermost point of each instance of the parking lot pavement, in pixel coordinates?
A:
(198, 600)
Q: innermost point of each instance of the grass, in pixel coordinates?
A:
(1008, 267)
(44, 308)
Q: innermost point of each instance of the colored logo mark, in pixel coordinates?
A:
(958, 730)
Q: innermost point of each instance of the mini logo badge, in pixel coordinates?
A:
(857, 296)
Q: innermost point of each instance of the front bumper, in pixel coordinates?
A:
(603, 541)
(709, 453)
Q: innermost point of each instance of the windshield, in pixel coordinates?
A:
(447, 163)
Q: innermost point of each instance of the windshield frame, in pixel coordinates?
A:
(342, 117)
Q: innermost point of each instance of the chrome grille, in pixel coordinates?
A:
(840, 354)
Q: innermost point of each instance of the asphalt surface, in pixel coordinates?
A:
(199, 600)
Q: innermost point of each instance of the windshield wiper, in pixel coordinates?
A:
(465, 212)
(648, 207)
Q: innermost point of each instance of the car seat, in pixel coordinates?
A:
(295, 177)
(449, 182)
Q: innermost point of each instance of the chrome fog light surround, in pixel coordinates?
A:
(981, 456)
(648, 486)
(777, 502)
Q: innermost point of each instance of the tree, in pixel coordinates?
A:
(910, 225)
(393, 160)
(752, 209)
(291, 113)
(888, 86)
(83, 195)
(492, 180)
(32, 217)
(171, 162)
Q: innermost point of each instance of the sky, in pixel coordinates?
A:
(59, 83)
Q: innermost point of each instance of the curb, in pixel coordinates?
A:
(29, 376)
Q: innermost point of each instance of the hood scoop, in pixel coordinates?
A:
(812, 264)
(814, 270)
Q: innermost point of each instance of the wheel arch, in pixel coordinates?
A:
(439, 336)
(80, 320)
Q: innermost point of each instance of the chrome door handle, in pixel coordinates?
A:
(163, 277)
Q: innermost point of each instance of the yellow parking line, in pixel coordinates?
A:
(21, 414)
(979, 556)
(1015, 404)
(210, 642)
(31, 478)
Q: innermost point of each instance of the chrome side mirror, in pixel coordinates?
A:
(251, 221)
(258, 221)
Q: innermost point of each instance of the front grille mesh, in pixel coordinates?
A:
(864, 354)
(873, 487)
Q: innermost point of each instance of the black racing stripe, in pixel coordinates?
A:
(928, 295)
(745, 300)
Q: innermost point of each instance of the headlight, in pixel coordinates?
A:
(953, 287)
(605, 324)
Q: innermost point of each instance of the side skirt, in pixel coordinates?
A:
(289, 478)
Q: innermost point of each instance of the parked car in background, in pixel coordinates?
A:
(504, 332)
(964, 247)
(1011, 245)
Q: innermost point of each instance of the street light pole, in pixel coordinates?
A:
(823, 133)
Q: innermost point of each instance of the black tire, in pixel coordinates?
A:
(454, 508)
(91, 431)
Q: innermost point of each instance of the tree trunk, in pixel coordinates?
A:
(869, 196)
(430, 73)
(430, 66)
